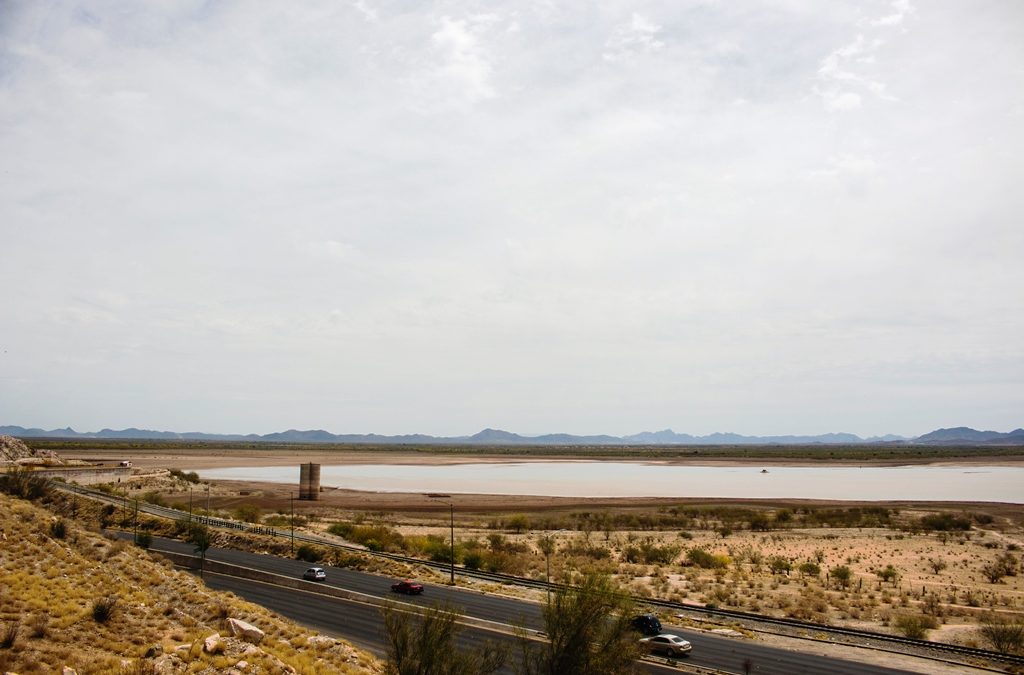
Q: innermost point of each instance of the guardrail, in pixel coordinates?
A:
(174, 514)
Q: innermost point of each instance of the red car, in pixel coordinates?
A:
(408, 587)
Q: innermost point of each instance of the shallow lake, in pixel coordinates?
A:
(642, 479)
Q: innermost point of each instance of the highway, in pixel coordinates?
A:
(360, 623)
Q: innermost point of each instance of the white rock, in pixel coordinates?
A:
(245, 631)
(213, 644)
(320, 641)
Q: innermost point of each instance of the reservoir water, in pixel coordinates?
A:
(648, 479)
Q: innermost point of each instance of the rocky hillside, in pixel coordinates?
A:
(13, 451)
(73, 601)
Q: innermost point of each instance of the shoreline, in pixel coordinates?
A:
(218, 458)
(351, 499)
(237, 491)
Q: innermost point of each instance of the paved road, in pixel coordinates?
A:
(361, 623)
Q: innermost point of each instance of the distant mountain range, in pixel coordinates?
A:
(954, 436)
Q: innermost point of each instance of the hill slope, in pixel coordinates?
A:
(49, 584)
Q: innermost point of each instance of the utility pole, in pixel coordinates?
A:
(190, 506)
(291, 499)
(136, 521)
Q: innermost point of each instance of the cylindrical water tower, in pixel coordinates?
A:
(309, 481)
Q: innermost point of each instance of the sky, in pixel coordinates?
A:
(776, 217)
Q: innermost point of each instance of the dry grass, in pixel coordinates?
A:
(865, 577)
(55, 593)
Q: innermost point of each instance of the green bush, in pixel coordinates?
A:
(154, 497)
(24, 483)
(309, 553)
(915, 626)
(760, 523)
(58, 529)
(518, 523)
(437, 550)
(810, 569)
(944, 522)
(871, 516)
(842, 574)
(373, 537)
(705, 560)
(648, 553)
(779, 565)
(249, 513)
(190, 477)
(888, 574)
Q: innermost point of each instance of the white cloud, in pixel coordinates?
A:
(901, 9)
(638, 36)
(368, 12)
(841, 100)
(336, 250)
(462, 74)
(838, 76)
(323, 215)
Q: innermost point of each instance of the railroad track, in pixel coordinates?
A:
(497, 577)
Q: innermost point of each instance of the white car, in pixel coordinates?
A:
(673, 645)
(314, 574)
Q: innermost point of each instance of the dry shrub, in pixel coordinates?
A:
(103, 609)
(220, 612)
(139, 667)
(39, 626)
(1005, 635)
(116, 547)
(9, 635)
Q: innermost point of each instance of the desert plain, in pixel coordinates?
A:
(939, 570)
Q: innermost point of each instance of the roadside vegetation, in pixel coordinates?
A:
(587, 631)
(422, 641)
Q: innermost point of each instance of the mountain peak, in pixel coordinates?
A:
(494, 436)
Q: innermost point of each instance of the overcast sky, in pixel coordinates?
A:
(768, 217)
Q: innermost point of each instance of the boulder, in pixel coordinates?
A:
(213, 644)
(168, 664)
(14, 451)
(245, 631)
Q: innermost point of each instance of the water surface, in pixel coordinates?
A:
(642, 479)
